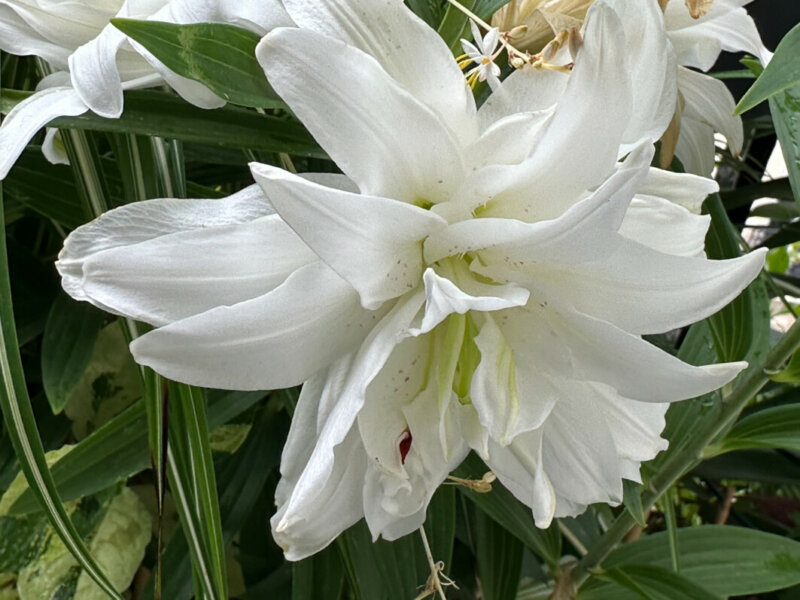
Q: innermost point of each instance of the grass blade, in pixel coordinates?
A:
(21, 427)
(194, 484)
(149, 112)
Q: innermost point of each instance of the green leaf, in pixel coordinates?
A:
(155, 409)
(725, 560)
(791, 373)
(765, 466)
(632, 498)
(319, 576)
(429, 11)
(110, 454)
(745, 195)
(667, 503)
(499, 556)
(110, 383)
(69, 337)
(21, 425)
(46, 189)
(777, 427)
(119, 449)
(741, 329)
(510, 513)
(382, 570)
(193, 483)
(241, 480)
(440, 524)
(785, 109)
(777, 211)
(486, 8)
(651, 583)
(781, 73)
(117, 527)
(161, 114)
(222, 57)
(455, 25)
(778, 260)
(34, 288)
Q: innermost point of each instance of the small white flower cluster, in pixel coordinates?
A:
(477, 279)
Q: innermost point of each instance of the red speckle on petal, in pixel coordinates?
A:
(405, 444)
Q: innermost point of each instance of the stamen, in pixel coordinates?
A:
(481, 486)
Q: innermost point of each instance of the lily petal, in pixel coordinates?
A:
(727, 26)
(586, 129)
(258, 16)
(652, 70)
(510, 399)
(666, 227)
(514, 242)
(369, 360)
(520, 469)
(276, 340)
(176, 276)
(18, 37)
(401, 42)
(589, 341)
(94, 72)
(524, 90)
(314, 521)
(384, 139)
(684, 189)
(709, 101)
(696, 148)
(381, 421)
(382, 256)
(509, 140)
(29, 116)
(443, 298)
(635, 426)
(142, 221)
(578, 452)
(51, 29)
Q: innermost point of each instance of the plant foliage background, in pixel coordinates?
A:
(718, 515)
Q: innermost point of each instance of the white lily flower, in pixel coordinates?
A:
(482, 53)
(477, 279)
(708, 104)
(95, 61)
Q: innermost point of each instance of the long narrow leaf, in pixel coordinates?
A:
(194, 483)
(192, 528)
(781, 73)
(161, 114)
(240, 489)
(220, 56)
(21, 426)
(119, 449)
(776, 427)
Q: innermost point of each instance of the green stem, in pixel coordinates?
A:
(457, 5)
(89, 179)
(672, 528)
(716, 421)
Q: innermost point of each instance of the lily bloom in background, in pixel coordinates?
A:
(704, 103)
(94, 61)
(475, 280)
